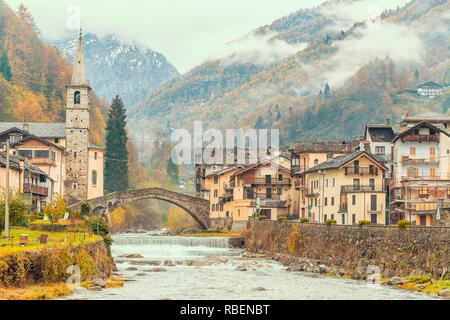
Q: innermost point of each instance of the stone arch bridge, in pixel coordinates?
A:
(197, 208)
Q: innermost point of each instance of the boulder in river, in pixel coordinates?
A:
(445, 293)
(156, 270)
(132, 269)
(394, 281)
(260, 289)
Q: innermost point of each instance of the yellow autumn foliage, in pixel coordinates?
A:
(118, 218)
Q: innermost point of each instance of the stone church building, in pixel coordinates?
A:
(63, 150)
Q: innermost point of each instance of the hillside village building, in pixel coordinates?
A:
(348, 189)
(62, 150)
(421, 159)
(430, 89)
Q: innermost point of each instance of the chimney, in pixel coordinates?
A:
(26, 127)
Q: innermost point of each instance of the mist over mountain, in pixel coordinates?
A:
(115, 66)
(345, 70)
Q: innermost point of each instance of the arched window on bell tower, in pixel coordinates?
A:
(77, 97)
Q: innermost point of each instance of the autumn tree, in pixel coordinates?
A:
(116, 155)
(172, 171)
(56, 209)
(5, 67)
(18, 211)
(260, 123)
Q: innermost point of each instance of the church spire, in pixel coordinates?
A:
(79, 71)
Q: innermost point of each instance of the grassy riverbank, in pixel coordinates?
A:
(54, 239)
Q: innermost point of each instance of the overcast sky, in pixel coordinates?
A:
(187, 32)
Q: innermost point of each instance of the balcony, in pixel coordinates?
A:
(420, 138)
(43, 161)
(359, 188)
(361, 171)
(343, 208)
(261, 196)
(298, 184)
(416, 161)
(274, 181)
(42, 191)
(311, 194)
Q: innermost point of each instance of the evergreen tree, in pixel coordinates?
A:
(172, 171)
(5, 67)
(278, 118)
(116, 162)
(327, 91)
(260, 123)
(417, 75)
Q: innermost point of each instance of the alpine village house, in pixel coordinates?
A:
(49, 159)
(394, 172)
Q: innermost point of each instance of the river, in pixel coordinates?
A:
(179, 268)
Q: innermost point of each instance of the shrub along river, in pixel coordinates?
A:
(162, 267)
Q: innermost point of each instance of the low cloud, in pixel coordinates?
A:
(257, 49)
(400, 43)
(348, 12)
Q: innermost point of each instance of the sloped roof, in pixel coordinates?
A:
(343, 160)
(324, 147)
(430, 84)
(419, 125)
(45, 142)
(39, 129)
(380, 133)
(14, 163)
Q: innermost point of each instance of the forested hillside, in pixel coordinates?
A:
(350, 73)
(33, 75)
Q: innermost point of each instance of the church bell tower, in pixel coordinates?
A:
(77, 130)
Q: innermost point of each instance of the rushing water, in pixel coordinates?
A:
(206, 269)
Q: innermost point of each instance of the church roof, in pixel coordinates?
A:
(79, 70)
(39, 129)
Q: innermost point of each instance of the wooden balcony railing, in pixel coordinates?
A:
(42, 191)
(274, 181)
(43, 161)
(421, 138)
(261, 196)
(360, 188)
(362, 171)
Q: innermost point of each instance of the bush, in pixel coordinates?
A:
(364, 222)
(18, 211)
(282, 218)
(402, 224)
(304, 220)
(100, 227)
(85, 209)
(56, 209)
(329, 222)
(262, 217)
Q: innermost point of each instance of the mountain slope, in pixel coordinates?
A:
(39, 73)
(383, 55)
(136, 70)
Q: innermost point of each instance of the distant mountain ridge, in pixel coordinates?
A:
(135, 70)
(366, 70)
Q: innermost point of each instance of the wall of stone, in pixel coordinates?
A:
(352, 249)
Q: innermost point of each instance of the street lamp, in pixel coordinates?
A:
(7, 230)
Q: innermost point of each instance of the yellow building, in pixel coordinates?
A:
(306, 155)
(348, 189)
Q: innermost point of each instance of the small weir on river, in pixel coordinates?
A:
(141, 240)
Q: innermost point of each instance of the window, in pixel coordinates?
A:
(316, 162)
(77, 97)
(326, 202)
(95, 155)
(332, 201)
(354, 199)
(353, 218)
(343, 218)
(268, 179)
(280, 177)
(216, 180)
(280, 191)
(94, 178)
(56, 140)
(26, 153)
(372, 184)
(213, 207)
(373, 202)
(325, 218)
(332, 217)
(269, 193)
(334, 182)
(433, 172)
(433, 153)
(41, 154)
(74, 155)
(295, 161)
(53, 155)
(380, 150)
(326, 183)
(374, 219)
(412, 151)
(216, 193)
(356, 184)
